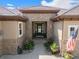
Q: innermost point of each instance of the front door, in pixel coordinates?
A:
(39, 30)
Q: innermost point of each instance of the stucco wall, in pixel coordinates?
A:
(38, 17)
(65, 36)
(22, 39)
(9, 37)
(9, 29)
(0, 38)
(57, 32)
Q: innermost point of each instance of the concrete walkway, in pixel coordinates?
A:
(39, 52)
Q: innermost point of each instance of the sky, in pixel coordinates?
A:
(20, 3)
(29, 3)
(65, 4)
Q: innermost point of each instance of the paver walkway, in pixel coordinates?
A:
(39, 52)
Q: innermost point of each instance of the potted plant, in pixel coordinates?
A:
(68, 55)
(19, 50)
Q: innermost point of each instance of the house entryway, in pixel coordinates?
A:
(39, 52)
(39, 29)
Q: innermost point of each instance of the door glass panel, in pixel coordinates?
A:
(39, 29)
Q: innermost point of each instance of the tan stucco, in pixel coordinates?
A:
(65, 35)
(9, 36)
(9, 39)
(10, 29)
(61, 34)
(57, 32)
(0, 38)
(22, 39)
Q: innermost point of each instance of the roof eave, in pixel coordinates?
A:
(39, 11)
(12, 18)
(69, 16)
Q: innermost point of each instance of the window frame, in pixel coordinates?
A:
(73, 26)
(20, 24)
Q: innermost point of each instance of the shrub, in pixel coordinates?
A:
(50, 40)
(54, 47)
(31, 42)
(29, 45)
(68, 55)
(47, 44)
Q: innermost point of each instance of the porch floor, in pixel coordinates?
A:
(39, 52)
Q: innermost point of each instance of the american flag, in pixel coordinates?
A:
(71, 43)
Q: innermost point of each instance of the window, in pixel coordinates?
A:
(71, 30)
(20, 28)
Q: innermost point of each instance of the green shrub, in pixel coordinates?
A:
(50, 40)
(54, 47)
(67, 55)
(25, 46)
(31, 42)
(29, 45)
(47, 44)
